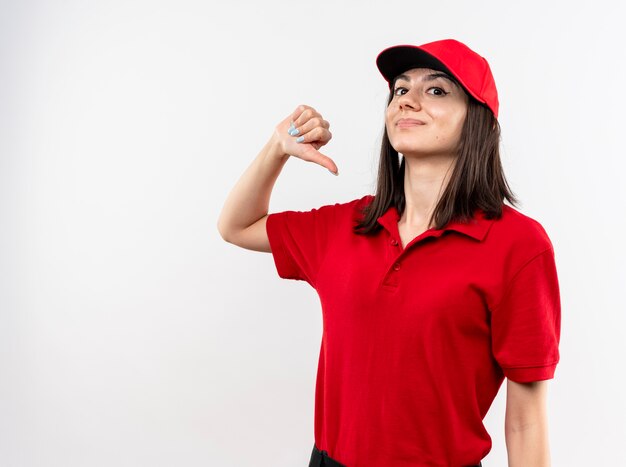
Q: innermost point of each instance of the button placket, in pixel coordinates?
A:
(391, 278)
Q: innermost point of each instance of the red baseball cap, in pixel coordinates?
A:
(448, 55)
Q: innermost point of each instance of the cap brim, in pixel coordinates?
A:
(395, 60)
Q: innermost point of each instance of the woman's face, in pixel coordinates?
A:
(426, 114)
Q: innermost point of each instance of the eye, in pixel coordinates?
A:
(398, 91)
(440, 92)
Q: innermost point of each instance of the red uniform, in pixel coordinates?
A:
(417, 340)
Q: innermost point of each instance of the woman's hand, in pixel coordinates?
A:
(301, 134)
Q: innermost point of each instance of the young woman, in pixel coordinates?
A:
(432, 290)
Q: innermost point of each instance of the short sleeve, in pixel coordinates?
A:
(299, 240)
(526, 324)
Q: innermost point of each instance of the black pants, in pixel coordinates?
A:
(321, 459)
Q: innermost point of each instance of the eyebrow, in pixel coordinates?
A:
(429, 77)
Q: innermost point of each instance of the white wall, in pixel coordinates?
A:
(132, 335)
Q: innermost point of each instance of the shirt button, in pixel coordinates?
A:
(396, 266)
(393, 242)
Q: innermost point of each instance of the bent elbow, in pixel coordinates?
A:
(224, 232)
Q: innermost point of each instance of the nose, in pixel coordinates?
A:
(409, 100)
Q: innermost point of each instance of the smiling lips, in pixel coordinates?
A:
(409, 123)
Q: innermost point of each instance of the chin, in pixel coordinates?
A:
(421, 150)
(411, 144)
(413, 149)
(425, 152)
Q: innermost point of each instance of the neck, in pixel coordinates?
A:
(425, 180)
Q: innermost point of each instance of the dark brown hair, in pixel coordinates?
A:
(477, 180)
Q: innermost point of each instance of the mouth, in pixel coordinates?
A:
(409, 122)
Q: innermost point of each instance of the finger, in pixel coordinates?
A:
(312, 155)
(316, 135)
(305, 116)
(299, 110)
(310, 125)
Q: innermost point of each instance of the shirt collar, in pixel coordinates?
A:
(476, 228)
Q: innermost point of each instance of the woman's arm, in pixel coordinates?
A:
(243, 217)
(526, 424)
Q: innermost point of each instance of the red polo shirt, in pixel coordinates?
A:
(417, 340)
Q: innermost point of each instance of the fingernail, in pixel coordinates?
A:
(334, 173)
(294, 131)
(291, 128)
(300, 139)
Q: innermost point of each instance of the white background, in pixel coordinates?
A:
(131, 334)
